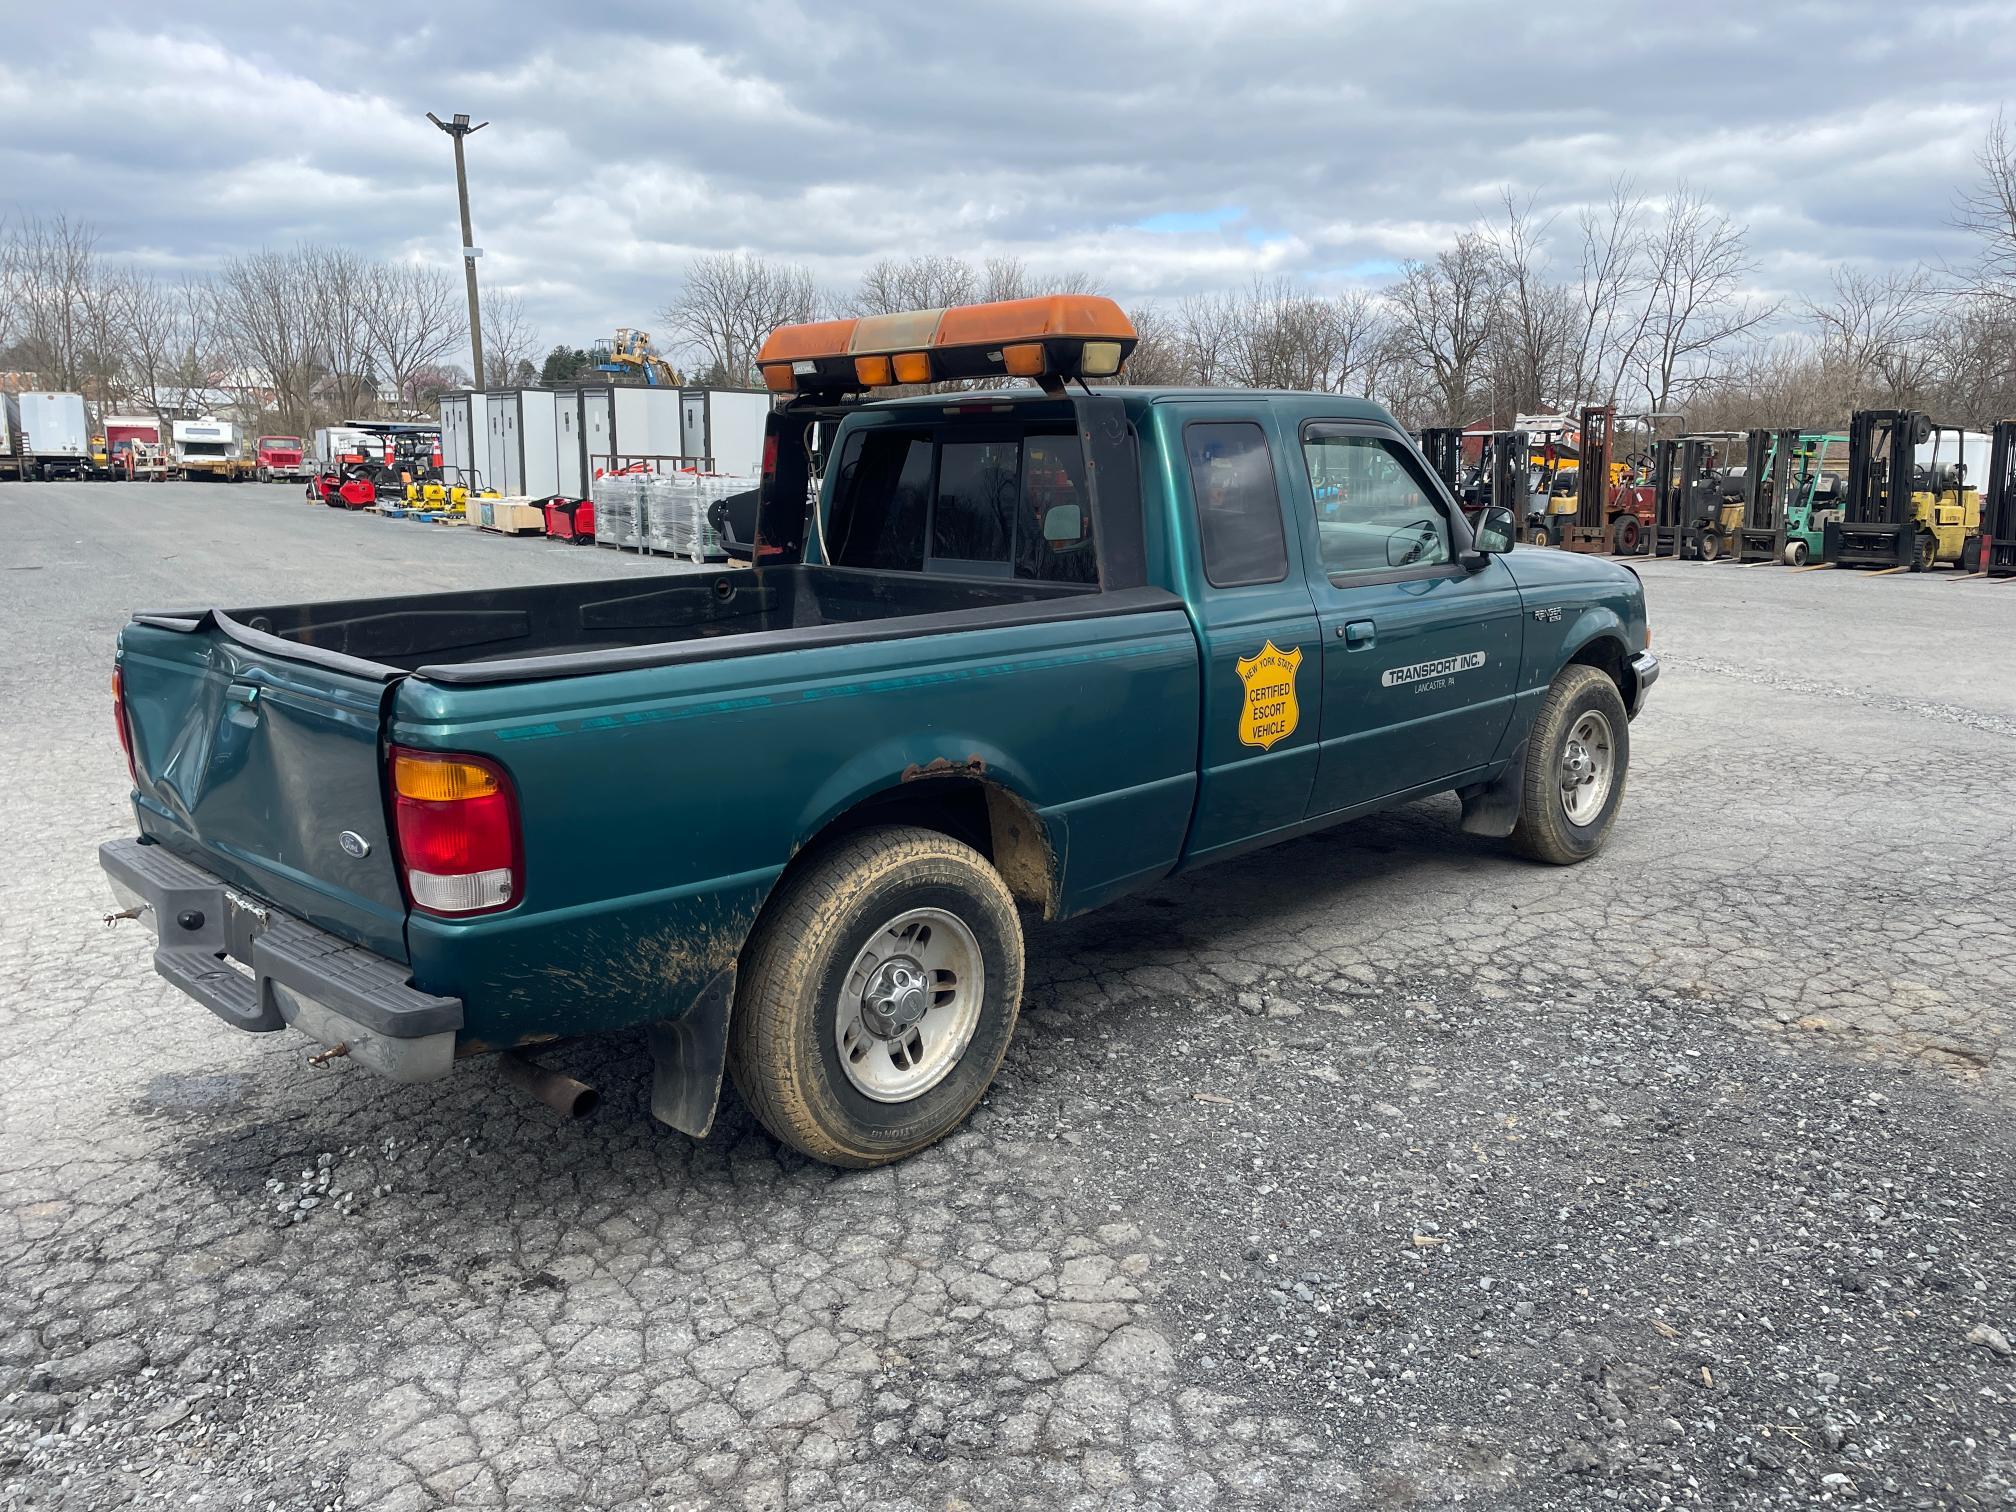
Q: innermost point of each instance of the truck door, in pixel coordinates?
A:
(1256, 623)
(1420, 652)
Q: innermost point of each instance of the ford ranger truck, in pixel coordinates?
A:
(1000, 652)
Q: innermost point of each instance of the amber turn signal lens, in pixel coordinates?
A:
(912, 367)
(779, 379)
(1024, 360)
(872, 372)
(441, 779)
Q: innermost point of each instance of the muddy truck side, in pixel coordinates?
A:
(998, 654)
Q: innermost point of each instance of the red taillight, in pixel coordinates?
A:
(119, 718)
(457, 824)
(770, 455)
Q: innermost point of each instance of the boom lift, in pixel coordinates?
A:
(631, 355)
(1992, 548)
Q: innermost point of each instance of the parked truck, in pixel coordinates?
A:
(133, 448)
(280, 459)
(1021, 650)
(207, 449)
(54, 435)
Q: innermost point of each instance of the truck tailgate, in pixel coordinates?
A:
(267, 772)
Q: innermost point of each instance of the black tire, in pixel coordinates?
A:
(1544, 831)
(1924, 552)
(783, 1038)
(1539, 535)
(1710, 547)
(1625, 533)
(1970, 554)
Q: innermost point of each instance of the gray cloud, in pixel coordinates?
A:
(1162, 148)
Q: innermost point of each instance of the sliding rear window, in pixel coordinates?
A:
(963, 502)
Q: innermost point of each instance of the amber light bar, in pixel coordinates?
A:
(1053, 335)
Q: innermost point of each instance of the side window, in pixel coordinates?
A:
(973, 525)
(879, 500)
(1238, 508)
(1374, 510)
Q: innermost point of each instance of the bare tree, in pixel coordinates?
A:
(729, 302)
(1444, 308)
(1530, 341)
(1610, 308)
(264, 304)
(1876, 331)
(915, 283)
(413, 317)
(1988, 209)
(1207, 327)
(57, 285)
(509, 342)
(1697, 308)
(1158, 352)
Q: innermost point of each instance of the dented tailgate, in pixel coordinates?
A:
(266, 771)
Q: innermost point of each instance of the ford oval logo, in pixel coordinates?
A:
(354, 844)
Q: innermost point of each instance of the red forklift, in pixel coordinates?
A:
(1993, 549)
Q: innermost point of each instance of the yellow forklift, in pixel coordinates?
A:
(1898, 513)
(1992, 547)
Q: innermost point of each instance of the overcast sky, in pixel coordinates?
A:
(1163, 148)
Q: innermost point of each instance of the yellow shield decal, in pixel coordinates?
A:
(1270, 712)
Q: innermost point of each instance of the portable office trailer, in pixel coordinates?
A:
(570, 453)
(465, 444)
(627, 422)
(725, 427)
(521, 443)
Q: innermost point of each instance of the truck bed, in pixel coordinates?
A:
(578, 628)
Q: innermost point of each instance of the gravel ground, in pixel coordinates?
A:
(1376, 1169)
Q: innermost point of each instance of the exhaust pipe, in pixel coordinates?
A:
(559, 1091)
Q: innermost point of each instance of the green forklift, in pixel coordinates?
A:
(1786, 494)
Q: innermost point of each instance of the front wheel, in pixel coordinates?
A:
(1576, 759)
(1539, 535)
(1711, 545)
(1925, 553)
(1796, 553)
(878, 997)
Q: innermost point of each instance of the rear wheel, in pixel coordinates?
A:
(1539, 535)
(1577, 757)
(878, 997)
(1624, 535)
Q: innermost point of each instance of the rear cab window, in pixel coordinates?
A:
(999, 500)
(1238, 506)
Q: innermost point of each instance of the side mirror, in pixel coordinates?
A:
(1064, 524)
(1496, 531)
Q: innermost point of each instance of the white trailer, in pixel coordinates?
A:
(724, 428)
(10, 436)
(465, 443)
(53, 435)
(713, 430)
(523, 455)
(570, 451)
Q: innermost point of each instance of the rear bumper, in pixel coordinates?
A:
(289, 972)
(1644, 673)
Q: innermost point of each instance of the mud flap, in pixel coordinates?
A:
(1492, 808)
(688, 1056)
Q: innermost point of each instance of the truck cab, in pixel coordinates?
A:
(280, 459)
(998, 650)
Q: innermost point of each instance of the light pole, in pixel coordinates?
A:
(458, 129)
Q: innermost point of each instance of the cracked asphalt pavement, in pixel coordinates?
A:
(1380, 1168)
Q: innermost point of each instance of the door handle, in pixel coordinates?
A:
(1358, 634)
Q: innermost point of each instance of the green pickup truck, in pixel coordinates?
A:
(998, 650)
